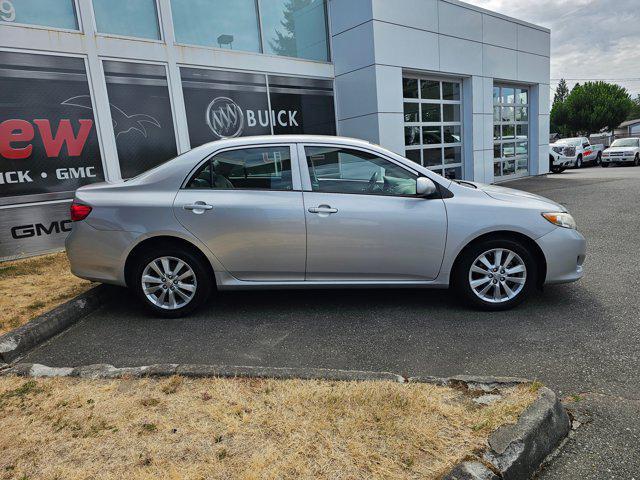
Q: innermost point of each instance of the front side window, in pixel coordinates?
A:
(49, 13)
(124, 17)
(230, 24)
(264, 168)
(341, 170)
(295, 28)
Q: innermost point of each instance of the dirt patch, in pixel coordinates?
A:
(241, 428)
(34, 286)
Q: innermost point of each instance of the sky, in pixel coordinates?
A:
(590, 39)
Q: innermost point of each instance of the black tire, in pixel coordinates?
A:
(461, 274)
(579, 163)
(555, 169)
(203, 282)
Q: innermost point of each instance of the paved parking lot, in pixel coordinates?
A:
(581, 339)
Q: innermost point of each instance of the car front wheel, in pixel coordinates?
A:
(171, 282)
(495, 274)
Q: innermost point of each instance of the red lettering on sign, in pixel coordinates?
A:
(15, 131)
(65, 134)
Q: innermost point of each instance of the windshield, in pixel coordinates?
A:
(572, 142)
(625, 142)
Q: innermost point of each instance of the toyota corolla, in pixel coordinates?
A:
(315, 212)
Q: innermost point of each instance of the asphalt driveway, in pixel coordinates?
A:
(583, 339)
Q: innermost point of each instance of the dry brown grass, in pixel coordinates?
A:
(33, 286)
(237, 428)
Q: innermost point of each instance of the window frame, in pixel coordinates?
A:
(160, 40)
(295, 173)
(306, 176)
(515, 123)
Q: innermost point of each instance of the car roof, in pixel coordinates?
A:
(261, 139)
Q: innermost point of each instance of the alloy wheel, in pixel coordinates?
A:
(497, 275)
(169, 283)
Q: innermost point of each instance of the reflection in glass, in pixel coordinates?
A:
(496, 95)
(451, 134)
(452, 155)
(522, 165)
(508, 114)
(508, 131)
(412, 135)
(430, 89)
(450, 91)
(414, 156)
(496, 169)
(124, 17)
(508, 95)
(522, 114)
(430, 112)
(410, 88)
(522, 96)
(509, 167)
(431, 135)
(496, 151)
(49, 13)
(451, 113)
(496, 114)
(496, 132)
(522, 148)
(432, 157)
(411, 112)
(508, 150)
(295, 28)
(230, 24)
(453, 173)
(522, 131)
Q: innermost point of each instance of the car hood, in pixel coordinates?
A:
(518, 196)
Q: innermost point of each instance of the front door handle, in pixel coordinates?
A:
(323, 209)
(198, 207)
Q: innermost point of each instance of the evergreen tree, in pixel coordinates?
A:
(284, 42)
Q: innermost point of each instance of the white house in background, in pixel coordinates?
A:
(628, 128)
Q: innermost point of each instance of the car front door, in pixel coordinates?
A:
(364, 220)
(245, 204)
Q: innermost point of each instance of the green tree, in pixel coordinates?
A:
(285, 43)
(595, 106)
(558, 112)
(634, 114)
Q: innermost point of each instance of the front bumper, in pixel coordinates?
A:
(618, 158)
(565, 251)
(562, 161)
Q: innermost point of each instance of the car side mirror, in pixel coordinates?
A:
(425, 187)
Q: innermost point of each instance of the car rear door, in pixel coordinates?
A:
(246, 205)
(364, 221)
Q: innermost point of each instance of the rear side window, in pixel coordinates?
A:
(263, 168)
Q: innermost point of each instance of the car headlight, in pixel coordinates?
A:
(561, 219)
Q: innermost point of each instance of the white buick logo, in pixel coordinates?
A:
(225, 118)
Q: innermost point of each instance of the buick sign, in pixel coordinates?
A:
(225, 118)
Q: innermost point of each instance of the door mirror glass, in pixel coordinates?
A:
(425, 187)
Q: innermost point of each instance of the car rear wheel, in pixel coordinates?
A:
(495, 274)
(170, 282)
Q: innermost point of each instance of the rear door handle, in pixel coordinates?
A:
(323, 209)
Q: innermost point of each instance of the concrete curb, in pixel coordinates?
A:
(17, 342)
(514, 451)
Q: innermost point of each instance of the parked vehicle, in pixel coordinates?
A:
(623, 150)
(574, 152)
(300, 211)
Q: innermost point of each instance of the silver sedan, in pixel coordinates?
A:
(315, 212)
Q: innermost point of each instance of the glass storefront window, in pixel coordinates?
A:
(231, 24)
(127, 18)
(295, 28)
(48, 13)
(434, 139)
(510, 124)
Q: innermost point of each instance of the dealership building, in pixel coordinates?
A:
(94, 90)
